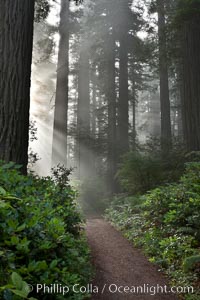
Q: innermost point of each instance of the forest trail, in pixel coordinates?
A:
(117, 262)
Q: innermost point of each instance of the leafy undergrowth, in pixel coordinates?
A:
(41, 240)
(166, 223)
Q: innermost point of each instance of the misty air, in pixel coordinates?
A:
(100, 149)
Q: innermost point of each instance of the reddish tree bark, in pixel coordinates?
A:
(16, 39)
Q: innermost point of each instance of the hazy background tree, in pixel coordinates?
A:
(59, 144)
(124, 89)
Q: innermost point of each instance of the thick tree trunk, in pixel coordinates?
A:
(59, 146)
(191, 83)
(166, 139)
(16, 38)
(83, 115)
(123, 105)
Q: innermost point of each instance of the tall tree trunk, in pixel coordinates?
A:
(83, 115)
(93, 119)
(123, 105)
(111, 96)
(59, 146)
(166, 139)
(191, 83)
(16, 39)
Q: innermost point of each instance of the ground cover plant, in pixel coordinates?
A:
(41, 239)
(166, 223)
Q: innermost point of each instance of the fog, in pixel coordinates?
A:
(89, 128)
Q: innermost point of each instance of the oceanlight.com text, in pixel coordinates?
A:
(112, 289)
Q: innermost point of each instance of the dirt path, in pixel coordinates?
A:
(120, 265)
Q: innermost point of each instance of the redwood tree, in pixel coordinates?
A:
(164, 81)
(59, 148)
(111, 96)
(190, 28)
(83, 114)
(16, 39)
(123, 105)
(123, 27)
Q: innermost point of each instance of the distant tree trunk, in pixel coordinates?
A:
(191, 82)
(93, 113)
(123, 105)
(16, 39)
(59, 146)
(111, 96)
(83, 115)
(166, 138)
(93, 119)
(134, 100)
(179, 100)
(133, 124)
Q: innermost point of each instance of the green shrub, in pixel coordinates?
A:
(143, 171)
(40, 239)
(166, 223)
(139, 172)
(191, 263)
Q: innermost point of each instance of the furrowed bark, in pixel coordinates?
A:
(16, 39)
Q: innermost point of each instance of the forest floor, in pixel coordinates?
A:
(118, 263)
